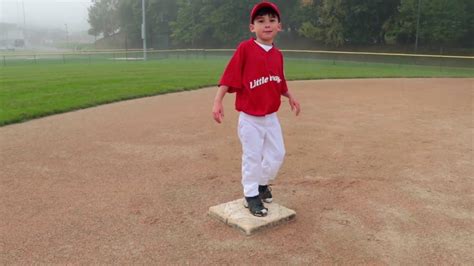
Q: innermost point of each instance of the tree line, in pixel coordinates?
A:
(332, 23)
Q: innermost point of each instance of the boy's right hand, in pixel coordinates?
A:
(218, 108)
(218, 111)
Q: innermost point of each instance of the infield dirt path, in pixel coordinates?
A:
(378, 171)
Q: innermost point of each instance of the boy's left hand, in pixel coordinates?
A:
(295, 105)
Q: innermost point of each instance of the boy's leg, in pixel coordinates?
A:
(273, 150)
(251, 135)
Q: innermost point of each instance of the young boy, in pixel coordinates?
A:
(255, 73)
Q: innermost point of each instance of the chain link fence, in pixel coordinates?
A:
(331, 57)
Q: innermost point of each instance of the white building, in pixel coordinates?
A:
(11, 37)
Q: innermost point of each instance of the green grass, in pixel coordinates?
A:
(307, 69)
(30, 90)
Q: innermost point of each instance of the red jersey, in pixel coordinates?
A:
(257, 77)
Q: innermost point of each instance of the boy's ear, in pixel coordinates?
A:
(252, 27)
(279, 26)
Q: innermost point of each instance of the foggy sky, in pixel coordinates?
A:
(47, 13)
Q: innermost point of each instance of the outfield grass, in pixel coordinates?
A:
(29, 91)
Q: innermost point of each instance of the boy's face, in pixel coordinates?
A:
(265, 28)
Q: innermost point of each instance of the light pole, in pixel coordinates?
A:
(24, 25)
(143, 30)
(67, 35)
(417, 26)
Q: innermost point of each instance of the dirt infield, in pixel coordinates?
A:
(378, 171)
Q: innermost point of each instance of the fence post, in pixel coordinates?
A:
(441, 59)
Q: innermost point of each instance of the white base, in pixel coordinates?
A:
(236, 215)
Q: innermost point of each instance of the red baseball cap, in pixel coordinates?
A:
(261, 5)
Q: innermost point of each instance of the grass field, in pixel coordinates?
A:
(29, 91)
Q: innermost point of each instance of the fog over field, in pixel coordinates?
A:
(46, 13)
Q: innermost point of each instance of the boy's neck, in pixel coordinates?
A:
(270, 42)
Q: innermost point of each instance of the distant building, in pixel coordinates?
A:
(11, 37)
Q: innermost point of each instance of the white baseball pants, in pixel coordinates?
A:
(263, 150)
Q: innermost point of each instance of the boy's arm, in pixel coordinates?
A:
(218, 108)
(294, 104)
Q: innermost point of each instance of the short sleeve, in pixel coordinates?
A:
(284, 86)
(232, 76)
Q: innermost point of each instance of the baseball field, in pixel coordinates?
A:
(379, 171)
(31, 90)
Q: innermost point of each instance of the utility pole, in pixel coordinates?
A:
(417, 26)
(67, 35)
(24, 25)
(143, 30)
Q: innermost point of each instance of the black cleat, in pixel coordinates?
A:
(255, 206)
(265, 193)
